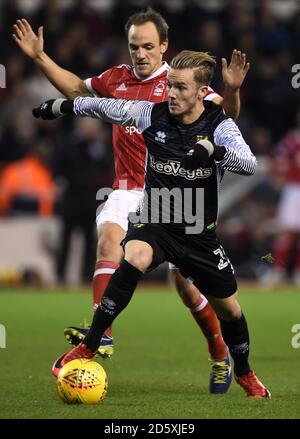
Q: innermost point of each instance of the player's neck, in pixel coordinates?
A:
(191, 117)
(158, 70)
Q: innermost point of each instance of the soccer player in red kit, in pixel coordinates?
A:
(285, 166)
(147, 34)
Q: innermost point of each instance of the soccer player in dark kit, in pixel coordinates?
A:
(190, 144)
(145, 79)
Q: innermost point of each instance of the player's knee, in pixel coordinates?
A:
(187, 291)
(109, 249)
(231, 314)
(235, 314)
(139, 259)
(175, 276)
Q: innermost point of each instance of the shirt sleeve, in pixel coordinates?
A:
(238, 157)
(97, 85)
(116, 111)
(211, 94)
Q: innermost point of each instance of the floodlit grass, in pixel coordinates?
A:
(160, 368)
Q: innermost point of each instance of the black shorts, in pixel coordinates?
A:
(198, 257)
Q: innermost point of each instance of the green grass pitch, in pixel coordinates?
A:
(160, 368)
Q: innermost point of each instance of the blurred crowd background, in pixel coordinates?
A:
(53, 170)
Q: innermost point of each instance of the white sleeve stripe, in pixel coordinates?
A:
(211, 96)
(238, 157)
(116, 111)
(88, 83)
(238, 162)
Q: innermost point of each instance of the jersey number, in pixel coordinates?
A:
(224, 261)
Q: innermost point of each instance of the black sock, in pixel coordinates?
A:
(116, 297)
(236, 336)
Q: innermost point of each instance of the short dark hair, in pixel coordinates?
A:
(154, 17)
(202, 62)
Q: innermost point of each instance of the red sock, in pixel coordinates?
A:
(282, 248)
(208, 322)
(103, 272)
(297, 263)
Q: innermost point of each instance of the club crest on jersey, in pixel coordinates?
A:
(159, 88)
(199, 138)
(160, 136)
(122, 87)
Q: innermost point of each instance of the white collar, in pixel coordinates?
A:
(165, 66)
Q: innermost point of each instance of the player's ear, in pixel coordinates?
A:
(202, 92)
(164, 46)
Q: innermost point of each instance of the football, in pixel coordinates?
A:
(82, 381)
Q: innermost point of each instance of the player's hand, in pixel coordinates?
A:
(45, 110)
(198, 156)
(54, 108)
(30, 43)
(235, 73)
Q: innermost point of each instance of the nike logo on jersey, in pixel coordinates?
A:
(122, 87)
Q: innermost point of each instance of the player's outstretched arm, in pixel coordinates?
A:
(32, 45)
(230, 151)
(233, 77)
(115, 111)
(53, 109)
(233, 153)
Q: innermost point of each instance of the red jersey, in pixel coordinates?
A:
(287, 157)
(122, 82)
